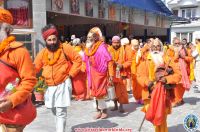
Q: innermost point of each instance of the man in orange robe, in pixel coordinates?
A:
(99, 68)
(60, 62)
(17, 79)
(136, 54)
(122, 61)
(178, 52)
(79, 81)
(146, 77)
(126, 44)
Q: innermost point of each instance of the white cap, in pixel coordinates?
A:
(76, 41)
(73, 37)
(125, 41)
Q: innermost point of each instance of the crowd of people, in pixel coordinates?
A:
(158, 75)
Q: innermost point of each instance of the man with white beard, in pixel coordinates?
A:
(99, 69)
(180, 54)
(152, 80)
(17, 79)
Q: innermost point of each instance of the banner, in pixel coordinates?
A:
(124, 14)
(57, 5)
(131, 16)
(74, 6)
(158, 20)
(21, 11)
(111, 12)
(101, 9)
(1, 3)
(89, 8)
(146, 18)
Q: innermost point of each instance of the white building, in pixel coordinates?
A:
(189, 9)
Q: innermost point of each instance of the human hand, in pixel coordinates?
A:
(110, 80)
(163, 80)
(5, 105)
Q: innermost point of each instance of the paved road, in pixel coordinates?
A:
(80, 116)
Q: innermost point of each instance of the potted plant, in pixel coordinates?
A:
(39, 89)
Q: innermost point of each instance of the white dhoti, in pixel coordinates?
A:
(59, 96)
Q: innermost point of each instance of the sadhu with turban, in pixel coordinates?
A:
(99, 68)
(60, 63)
(17, 79)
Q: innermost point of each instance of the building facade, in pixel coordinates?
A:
(189, 9)
(114, 17)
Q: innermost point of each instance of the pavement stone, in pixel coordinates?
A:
(80, 115)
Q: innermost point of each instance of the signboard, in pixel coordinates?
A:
(112, 12)
(21, 11)
(74, 6)
(131, 16)
(89, 8)
(57, 5)
(1, 3)
(101, 9)
(158, 21)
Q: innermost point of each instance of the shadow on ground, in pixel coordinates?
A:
(97, 124)
(129, 108)
(177, 128)
(191, 100)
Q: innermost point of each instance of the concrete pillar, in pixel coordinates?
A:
(39, 21)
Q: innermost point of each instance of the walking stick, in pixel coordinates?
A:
(141, 124)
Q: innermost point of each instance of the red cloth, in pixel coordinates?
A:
(22, 114)
(156, 111)
(79, 85)
(99, 83)
(51, 31)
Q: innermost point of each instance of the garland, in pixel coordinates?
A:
(96, 46)
(54, 58)
(4, 44)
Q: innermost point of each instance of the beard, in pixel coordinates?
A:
(89, 44)
(116, 47)
(157, 58)
(53, 47)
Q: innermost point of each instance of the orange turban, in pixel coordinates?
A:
(5, 16)
(97, 31)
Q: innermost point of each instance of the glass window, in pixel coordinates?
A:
(194, 12)
(188, 13)
(175, 12)
(184, 36)
(183, 13)
(21, 11)
(178, 35)
(190, 37)
(26, 40)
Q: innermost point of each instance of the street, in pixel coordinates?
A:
(80, 115)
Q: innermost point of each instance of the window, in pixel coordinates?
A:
(26, 39)
(175, 12)
(189, 12)
(194, 13)
(21, 11)
(188, 36)
(183, 13)
(178, 35)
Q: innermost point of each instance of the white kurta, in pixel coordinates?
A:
(59, 96)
